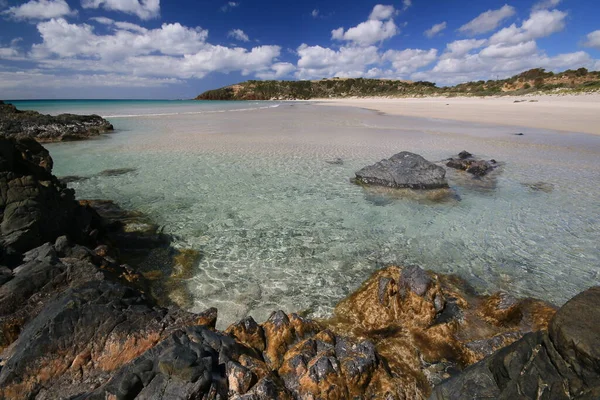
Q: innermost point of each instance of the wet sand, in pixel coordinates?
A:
(567, 113)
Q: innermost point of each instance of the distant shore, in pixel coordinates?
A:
(568, 113)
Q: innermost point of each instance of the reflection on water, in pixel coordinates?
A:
(283, 228)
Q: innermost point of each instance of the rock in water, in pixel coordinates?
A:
(404, 170)
(467, 162)
(46, 128)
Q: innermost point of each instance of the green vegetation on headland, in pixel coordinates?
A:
(532, 81)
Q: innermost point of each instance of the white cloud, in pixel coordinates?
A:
(379, 27)
(318, 62)
(409, 60)
(487, 21)
(435, 29)
(593, 40)
(173, 51)
(238, 34)
(511, 51)
(381, 12)
(277, 71)
(144, 9)
(546, 4)
(406, 4)
(540, 24)
(40, 9)
(230, 5)
(12, 52)
(459, 48)
(315, 13)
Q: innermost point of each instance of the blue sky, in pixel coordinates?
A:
(177, 49)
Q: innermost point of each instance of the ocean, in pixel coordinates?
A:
(249, 185)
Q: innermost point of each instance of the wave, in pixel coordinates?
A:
(189, 112)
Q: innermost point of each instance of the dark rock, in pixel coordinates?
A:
(415, 279)
(72, 178)
(46, 128)
(404, 170)
(34, 206)
(84, 335)
(467, 162)
(117, 172)
(561, 364)
(337, 161)
(519, 134)
(5, 275)
(539, 186)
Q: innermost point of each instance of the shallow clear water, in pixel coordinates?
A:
(283, 229)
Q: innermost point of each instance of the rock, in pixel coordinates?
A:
(404, 170)
(467, 162)
(46, 128)
(539, 186)
(83, 336)
(117, 172)
(337, 161)
(561, 364)
(34, 206)
(519, 134)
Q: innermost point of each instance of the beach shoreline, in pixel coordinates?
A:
(566, 113)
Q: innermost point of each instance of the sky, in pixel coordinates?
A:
(177, 49)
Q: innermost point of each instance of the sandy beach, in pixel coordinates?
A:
(569, 113)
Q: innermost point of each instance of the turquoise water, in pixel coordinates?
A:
(132, 108)
(249, 185)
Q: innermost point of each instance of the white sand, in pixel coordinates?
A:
(570, 113)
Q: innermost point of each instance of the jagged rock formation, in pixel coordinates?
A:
(562, 363)
(404, 170)
(469, 163)
(78, 323)
(46, 128)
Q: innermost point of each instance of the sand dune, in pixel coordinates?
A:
(569, 113)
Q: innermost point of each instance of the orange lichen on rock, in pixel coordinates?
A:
(421, 322)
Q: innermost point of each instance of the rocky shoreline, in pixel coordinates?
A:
(46, 128)
(80, 318)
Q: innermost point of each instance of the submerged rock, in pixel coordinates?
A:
(404, 170)
(467, 162)
(46, 128)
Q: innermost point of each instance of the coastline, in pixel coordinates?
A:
(565, 113)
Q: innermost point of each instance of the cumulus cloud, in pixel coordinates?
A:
(540, 24)
(40, 9)
(487, 21)
(173, 51)
(238, 34)
(435, 29)
(593, 40)
(277, 71)
(409, 60)
(144, 9)
(317, 62)
(379, 27)
(459, 48)
(546, 4)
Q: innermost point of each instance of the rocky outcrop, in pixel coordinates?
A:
(35, 207)
(77, 322)
(404, 170)
(46, 128)
(562, 363)
(469, 163)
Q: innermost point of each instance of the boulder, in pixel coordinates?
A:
(34, 206)
(562, 363)
(404, 170)
(46, 128)
(469, 163)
